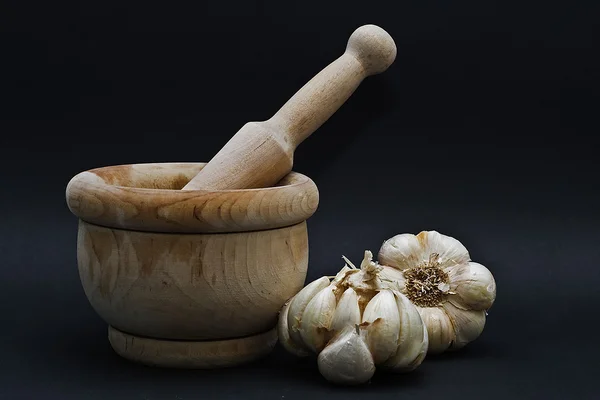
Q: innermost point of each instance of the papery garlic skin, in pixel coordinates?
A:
(439, 329)
(468, 324)
(347, 311)
(452, 293)
(317, 318)
(347, 359)
(355, 321)
(284, 333)
(474, 286)
(383, 329)
(402, 251)
(413, 338)
(297, 305)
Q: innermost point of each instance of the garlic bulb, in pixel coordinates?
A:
(355, 321)
(451, 292)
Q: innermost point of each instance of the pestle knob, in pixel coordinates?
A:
(261, 153)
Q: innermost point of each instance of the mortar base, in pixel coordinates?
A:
(190, 354)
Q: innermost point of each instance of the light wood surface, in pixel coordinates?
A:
(192, 354)
(146, 197)
(261, 153)
(190, 279)
(191, 286)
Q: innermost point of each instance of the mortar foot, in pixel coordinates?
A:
(189, 354)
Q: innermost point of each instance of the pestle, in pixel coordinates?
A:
(261, 153)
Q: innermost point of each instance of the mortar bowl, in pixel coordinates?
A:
(189, 279)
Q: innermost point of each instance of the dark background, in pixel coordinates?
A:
(483, 129)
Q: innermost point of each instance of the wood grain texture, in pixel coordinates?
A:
(261, 153)
(192, 354)
(191, 286)
(147, 197)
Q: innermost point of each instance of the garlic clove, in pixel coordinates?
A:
(449, 250)
(439, 329)
(405, 366)
(412, 338)
(316, 319)
(382, 322)
(468, 324)
(474, 286)
(298, 305)
(401, 251)
(392, 278)
(284, 333)
(347, 359)
(347, 311)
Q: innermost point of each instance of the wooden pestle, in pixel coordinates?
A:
(261, 153)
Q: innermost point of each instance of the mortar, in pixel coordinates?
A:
(190, 278)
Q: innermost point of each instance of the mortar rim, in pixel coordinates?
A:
(302, 178)
(92, 198)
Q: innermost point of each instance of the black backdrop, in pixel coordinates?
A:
(483, 129)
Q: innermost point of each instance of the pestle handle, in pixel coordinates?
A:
(370, 51)
(261, 153)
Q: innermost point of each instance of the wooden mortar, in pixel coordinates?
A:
(191, 279)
